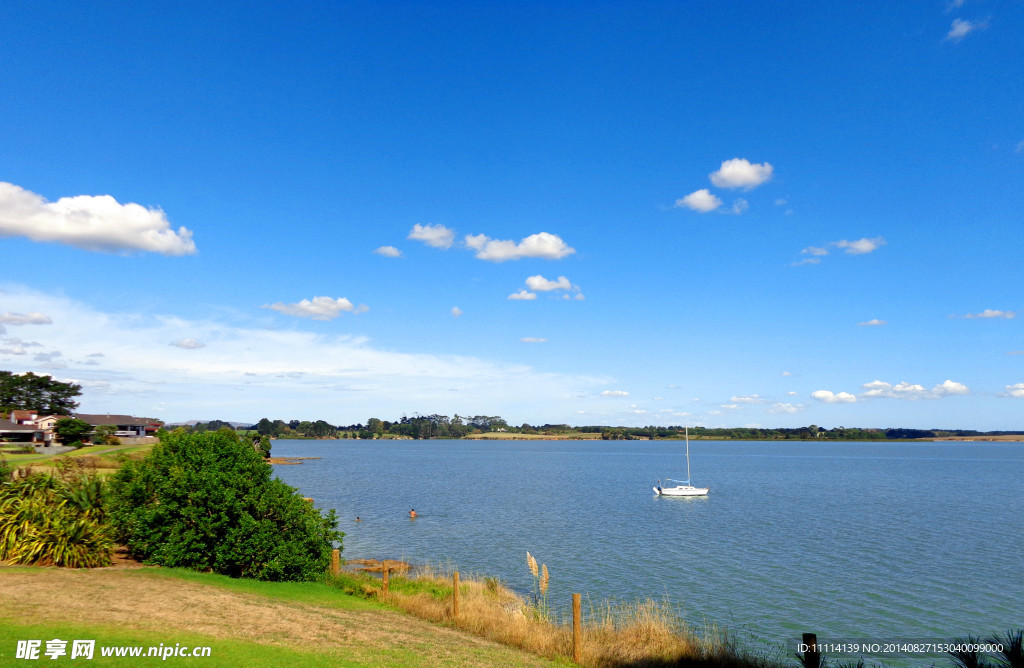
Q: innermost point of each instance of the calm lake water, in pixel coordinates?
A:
(861, 541)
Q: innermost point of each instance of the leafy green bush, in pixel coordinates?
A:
(72, 430)
(207, 501)
(54, 521)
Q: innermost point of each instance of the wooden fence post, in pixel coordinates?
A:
(812, 658)
(335, 562)
(577, 636)
(384, 569)
(455, 597)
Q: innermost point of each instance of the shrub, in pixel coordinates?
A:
(54, 521)
(207, 501)
(72, 430)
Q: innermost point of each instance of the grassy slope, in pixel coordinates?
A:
(105, 458)
(243, 621)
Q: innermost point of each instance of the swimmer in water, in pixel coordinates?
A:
(412, 514)
(358, 519)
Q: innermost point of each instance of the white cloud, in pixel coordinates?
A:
(541, 245)
(741, 173)
(751, 399)
(389, 251)
(437, 236)
(950, 387)
(319, 308)
(874, 322)
(860, 246)
(987, 313)
(33, 318)
(857, 247)
(786, 409)
(1020, 147)
(701, 200)
(188, 344)
(816, 254)
(903, 390)
(740, 205)
(91, 223)
(533, 339)
(456, 311)
(615, 393)
(522, 295)
(828, 397)
(257, 371)
(540, 284)
(1016, 391)
(961, 28)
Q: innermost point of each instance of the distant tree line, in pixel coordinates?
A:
(460, 426)
(418, 426)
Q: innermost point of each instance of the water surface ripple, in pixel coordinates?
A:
(850, 540)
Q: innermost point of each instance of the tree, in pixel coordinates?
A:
(28, 391)
(105, 434)
(210, 503)
(70, 430)
(265, 427)
(322, 429)
(262, 445)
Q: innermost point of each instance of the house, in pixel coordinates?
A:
(23, 417)
(29, 427)
(13, 432)
(127, 426)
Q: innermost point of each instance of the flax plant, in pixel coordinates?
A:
(51, 522)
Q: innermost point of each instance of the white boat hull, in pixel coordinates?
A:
(681, 490)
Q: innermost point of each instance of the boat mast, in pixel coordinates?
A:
(687, 454)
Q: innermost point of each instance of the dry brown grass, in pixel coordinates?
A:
(649, 633)
(489, 611)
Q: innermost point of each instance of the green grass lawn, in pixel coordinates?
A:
(223, 652)
(108, 455)
(243, 622)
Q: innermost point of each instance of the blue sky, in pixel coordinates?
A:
(719, 214)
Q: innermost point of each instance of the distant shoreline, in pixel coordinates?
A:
(980, 439)
(1008, 438)
(507, 436)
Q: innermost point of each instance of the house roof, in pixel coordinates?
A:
(19, 414)
(8, 426)
(97, 420)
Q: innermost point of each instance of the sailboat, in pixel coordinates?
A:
(683, 488)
